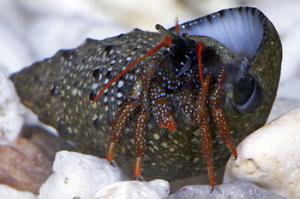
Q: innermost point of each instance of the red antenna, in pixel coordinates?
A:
(166, 42)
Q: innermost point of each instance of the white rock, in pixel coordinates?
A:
(270, 157)
(156, 189)
(11, 118)
(233, 190)
(77, 175)
(7, 192)
(87, 177)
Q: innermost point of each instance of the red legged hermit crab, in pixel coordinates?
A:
(157, 99)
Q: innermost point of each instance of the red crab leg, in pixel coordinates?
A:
(142, 120)
(118, 126)
(203, 119)
(200, 66)
(161, 108)
(166, 42)
(219, 117)
(166, 120)
(204, 129)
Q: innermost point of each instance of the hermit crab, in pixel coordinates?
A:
(156, 100)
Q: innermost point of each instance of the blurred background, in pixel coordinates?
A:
(32, 30)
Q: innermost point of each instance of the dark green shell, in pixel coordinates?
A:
(59, 91)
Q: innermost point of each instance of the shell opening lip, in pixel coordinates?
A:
(251, 104)
(239, 29)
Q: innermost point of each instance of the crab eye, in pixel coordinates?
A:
(246, 94)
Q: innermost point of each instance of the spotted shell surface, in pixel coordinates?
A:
(59, 90)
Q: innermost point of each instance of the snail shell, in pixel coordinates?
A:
(243, 40)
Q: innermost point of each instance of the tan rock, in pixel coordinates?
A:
(23, 166)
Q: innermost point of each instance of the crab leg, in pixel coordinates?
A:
(204, 129)
(142, 120)
(139, 139)
(118, 126)
(162, 111)
(219, 117)
(203, 119)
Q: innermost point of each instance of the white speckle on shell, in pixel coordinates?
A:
(119, 95)
(120, 84)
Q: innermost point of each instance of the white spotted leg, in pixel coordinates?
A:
(142, 119)
(219, 116)
(206, 144)
(118, 125)
(162, 110)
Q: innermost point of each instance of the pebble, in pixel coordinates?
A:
(24, 166)
(6, 192)
(270, 157)
(77, 175)
(234, 190)
(11, 115)
(156, 189)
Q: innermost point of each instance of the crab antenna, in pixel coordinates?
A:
(167, 33)
(165, 42)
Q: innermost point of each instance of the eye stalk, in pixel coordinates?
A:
(183, 41)
(168, 33)
(183, 51)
